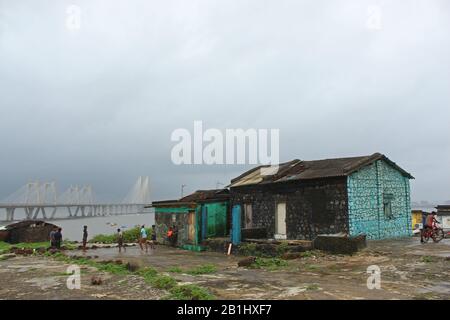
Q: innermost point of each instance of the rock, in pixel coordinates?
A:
(52, 250)
(338, 244)
(7, 256)
(23, 252)
(132, 266)
(291, 255)
(246, 262)
(93, 247)
(41, 250)
(119, 262)
(96, 280)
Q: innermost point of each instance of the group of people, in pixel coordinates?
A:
(144, 242)
(56, 238)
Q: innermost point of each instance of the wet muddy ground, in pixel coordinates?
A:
(409, 270)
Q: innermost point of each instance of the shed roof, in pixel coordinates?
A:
(27, 223)
(309, 170)
(443, 209)
(198, 196)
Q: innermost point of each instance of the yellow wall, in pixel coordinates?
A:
(416, 218)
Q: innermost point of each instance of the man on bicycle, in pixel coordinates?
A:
(430, 222)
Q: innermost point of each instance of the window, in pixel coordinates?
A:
(387, 205)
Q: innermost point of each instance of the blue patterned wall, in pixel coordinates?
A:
(366, 190)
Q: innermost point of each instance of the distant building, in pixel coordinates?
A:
(203, 214)
(361, 195)
(416, 218)
(27, 231)
(443, 214)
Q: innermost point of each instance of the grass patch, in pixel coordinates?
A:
(249, 249)
(111, 268)
(204, 269)
(152, 277)
(270, 264)
(312, 287)
(282, 248)
(189, 292)
(307, 254)
(128, 236)
(5, 246)
(312, 267)
(427, 259)
(175, 270)
(163, 282)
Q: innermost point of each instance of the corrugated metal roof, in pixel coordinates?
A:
(308, 170)
(197, 196)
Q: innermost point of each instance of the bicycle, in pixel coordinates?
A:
(436, 233)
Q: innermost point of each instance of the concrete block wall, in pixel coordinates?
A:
(366, 190)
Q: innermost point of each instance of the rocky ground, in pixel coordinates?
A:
(409, 270)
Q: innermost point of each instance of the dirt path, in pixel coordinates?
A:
(408, 271)
(38, 277)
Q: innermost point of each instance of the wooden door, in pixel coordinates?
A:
(280, 221)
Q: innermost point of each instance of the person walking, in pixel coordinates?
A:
(58, 238)
(143, 239)
(85, 237)
(52, 238)
(152, 237)
(120, 241)
(174, 236)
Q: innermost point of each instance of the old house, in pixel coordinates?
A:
(443, 214)
(301, 199)
(197, 216)
(27, 231)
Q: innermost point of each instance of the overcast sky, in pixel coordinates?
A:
(97, 105)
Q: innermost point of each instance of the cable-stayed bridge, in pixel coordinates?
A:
(41, 201)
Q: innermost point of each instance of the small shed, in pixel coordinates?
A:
(443, 214)
(200, 215)
(27, 231)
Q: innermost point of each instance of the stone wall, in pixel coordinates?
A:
(367, 190)
(312, 208)
(164, 220)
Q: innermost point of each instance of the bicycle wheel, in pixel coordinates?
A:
(438, 235)
(426, 237)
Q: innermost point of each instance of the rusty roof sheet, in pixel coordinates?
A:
(204, 195)
(309, 170)
(197, 196)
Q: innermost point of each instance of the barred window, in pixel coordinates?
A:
(387, 205)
